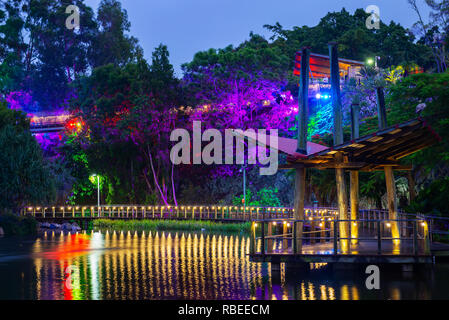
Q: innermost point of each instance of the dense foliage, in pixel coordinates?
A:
(24, 176)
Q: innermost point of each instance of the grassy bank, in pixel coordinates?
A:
(171, 225)
(14, 225)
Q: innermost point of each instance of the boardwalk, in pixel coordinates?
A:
(277, 241)
(273, 236)
(212, 212)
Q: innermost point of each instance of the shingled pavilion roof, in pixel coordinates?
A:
(374, 151)
(369, 153)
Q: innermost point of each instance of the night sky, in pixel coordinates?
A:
(189, 26)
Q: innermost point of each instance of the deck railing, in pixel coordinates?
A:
(323, 236)
(212, 212)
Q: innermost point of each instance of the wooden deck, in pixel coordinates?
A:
(284, 242)
(363, 253)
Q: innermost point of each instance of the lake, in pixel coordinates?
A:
(181, 265)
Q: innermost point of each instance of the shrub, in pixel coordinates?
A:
(171, 225)
(17, 225)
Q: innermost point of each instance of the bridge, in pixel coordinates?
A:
(277, 237)
(188, 212)
(48, 122)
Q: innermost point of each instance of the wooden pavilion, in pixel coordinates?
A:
(381, 150)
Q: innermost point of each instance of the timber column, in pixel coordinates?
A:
(338, 139)
(354, 174)
(389, 175)
(300, 178)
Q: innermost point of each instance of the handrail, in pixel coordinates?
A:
(420, 233)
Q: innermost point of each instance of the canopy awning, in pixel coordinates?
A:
(320, 65)
(374, 151)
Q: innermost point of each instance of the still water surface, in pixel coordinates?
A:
(181, 265)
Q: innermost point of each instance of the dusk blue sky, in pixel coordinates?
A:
(189, 26)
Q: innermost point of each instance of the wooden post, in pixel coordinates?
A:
(354, 175)
(415, 238)
(355, 118)
(381, 110)
(269, 234)
(342, 204)
(312, 231)
(336, 95)
(392, 202)
(300, 179)
(253, 241)
(303, 101)
(379, 237)
(411, 187)
(338, 139)
(300, 186)
(335, 235)
(389, 175)
(354, 196)
(262, 247)
(323, 229)
(284, 235)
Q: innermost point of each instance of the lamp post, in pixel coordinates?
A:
(244, 187)
(98, 188)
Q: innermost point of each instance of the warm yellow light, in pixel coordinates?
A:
(388, 224)
(255, 225)
(423, 224)
(354, 224)
(321, 224)
(285, 222)
(288, 224)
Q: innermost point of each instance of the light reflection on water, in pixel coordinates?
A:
(173, 265)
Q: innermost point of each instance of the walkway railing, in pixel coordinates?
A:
(239, 213)
(211, 212)
(277, 236)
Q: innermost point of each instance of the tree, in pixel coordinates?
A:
(130, 108)
(12, 46)
(430, 32)
(24, 176)
(112, 44)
